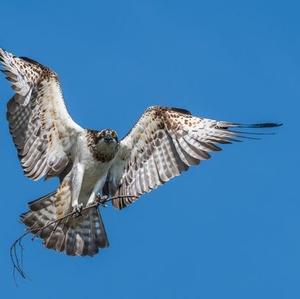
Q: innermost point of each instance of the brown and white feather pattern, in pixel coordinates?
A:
(163, 143)
(39, 123)
(83, 235)
(50, 143)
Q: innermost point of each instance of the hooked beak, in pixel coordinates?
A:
(108, 139)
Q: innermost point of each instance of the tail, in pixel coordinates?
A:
(83, 235)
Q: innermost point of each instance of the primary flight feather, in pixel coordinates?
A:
(162, 144)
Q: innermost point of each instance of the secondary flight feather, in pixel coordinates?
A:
(163, 143)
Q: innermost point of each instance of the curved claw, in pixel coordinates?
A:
(77, 210)
(102, 200)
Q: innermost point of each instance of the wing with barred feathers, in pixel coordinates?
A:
(164, 143)
(41, 128)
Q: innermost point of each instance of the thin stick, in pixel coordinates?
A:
(18, 263)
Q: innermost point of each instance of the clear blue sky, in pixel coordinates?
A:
(227, 229)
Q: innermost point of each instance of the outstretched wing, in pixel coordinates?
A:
(163, 144)
(41, 128)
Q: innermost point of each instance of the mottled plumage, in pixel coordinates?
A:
(162, 144)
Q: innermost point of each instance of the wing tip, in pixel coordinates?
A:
(259, 125)
(3, 54)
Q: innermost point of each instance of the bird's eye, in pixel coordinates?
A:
(113, 134)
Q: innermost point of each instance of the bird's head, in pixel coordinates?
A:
(107, 139)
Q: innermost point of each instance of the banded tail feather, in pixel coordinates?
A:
(83, 235)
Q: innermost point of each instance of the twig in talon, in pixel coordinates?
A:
(18, 263)
(102, 200)
(78, 210)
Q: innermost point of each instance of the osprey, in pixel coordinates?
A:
(162, 144)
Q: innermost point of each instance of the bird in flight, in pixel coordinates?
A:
(89, 163)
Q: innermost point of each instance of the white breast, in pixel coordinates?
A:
(93, 170)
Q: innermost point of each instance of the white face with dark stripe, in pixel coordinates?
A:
(106, 142)
(107, 136)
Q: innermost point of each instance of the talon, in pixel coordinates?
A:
(102, 199)
(77, 210)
